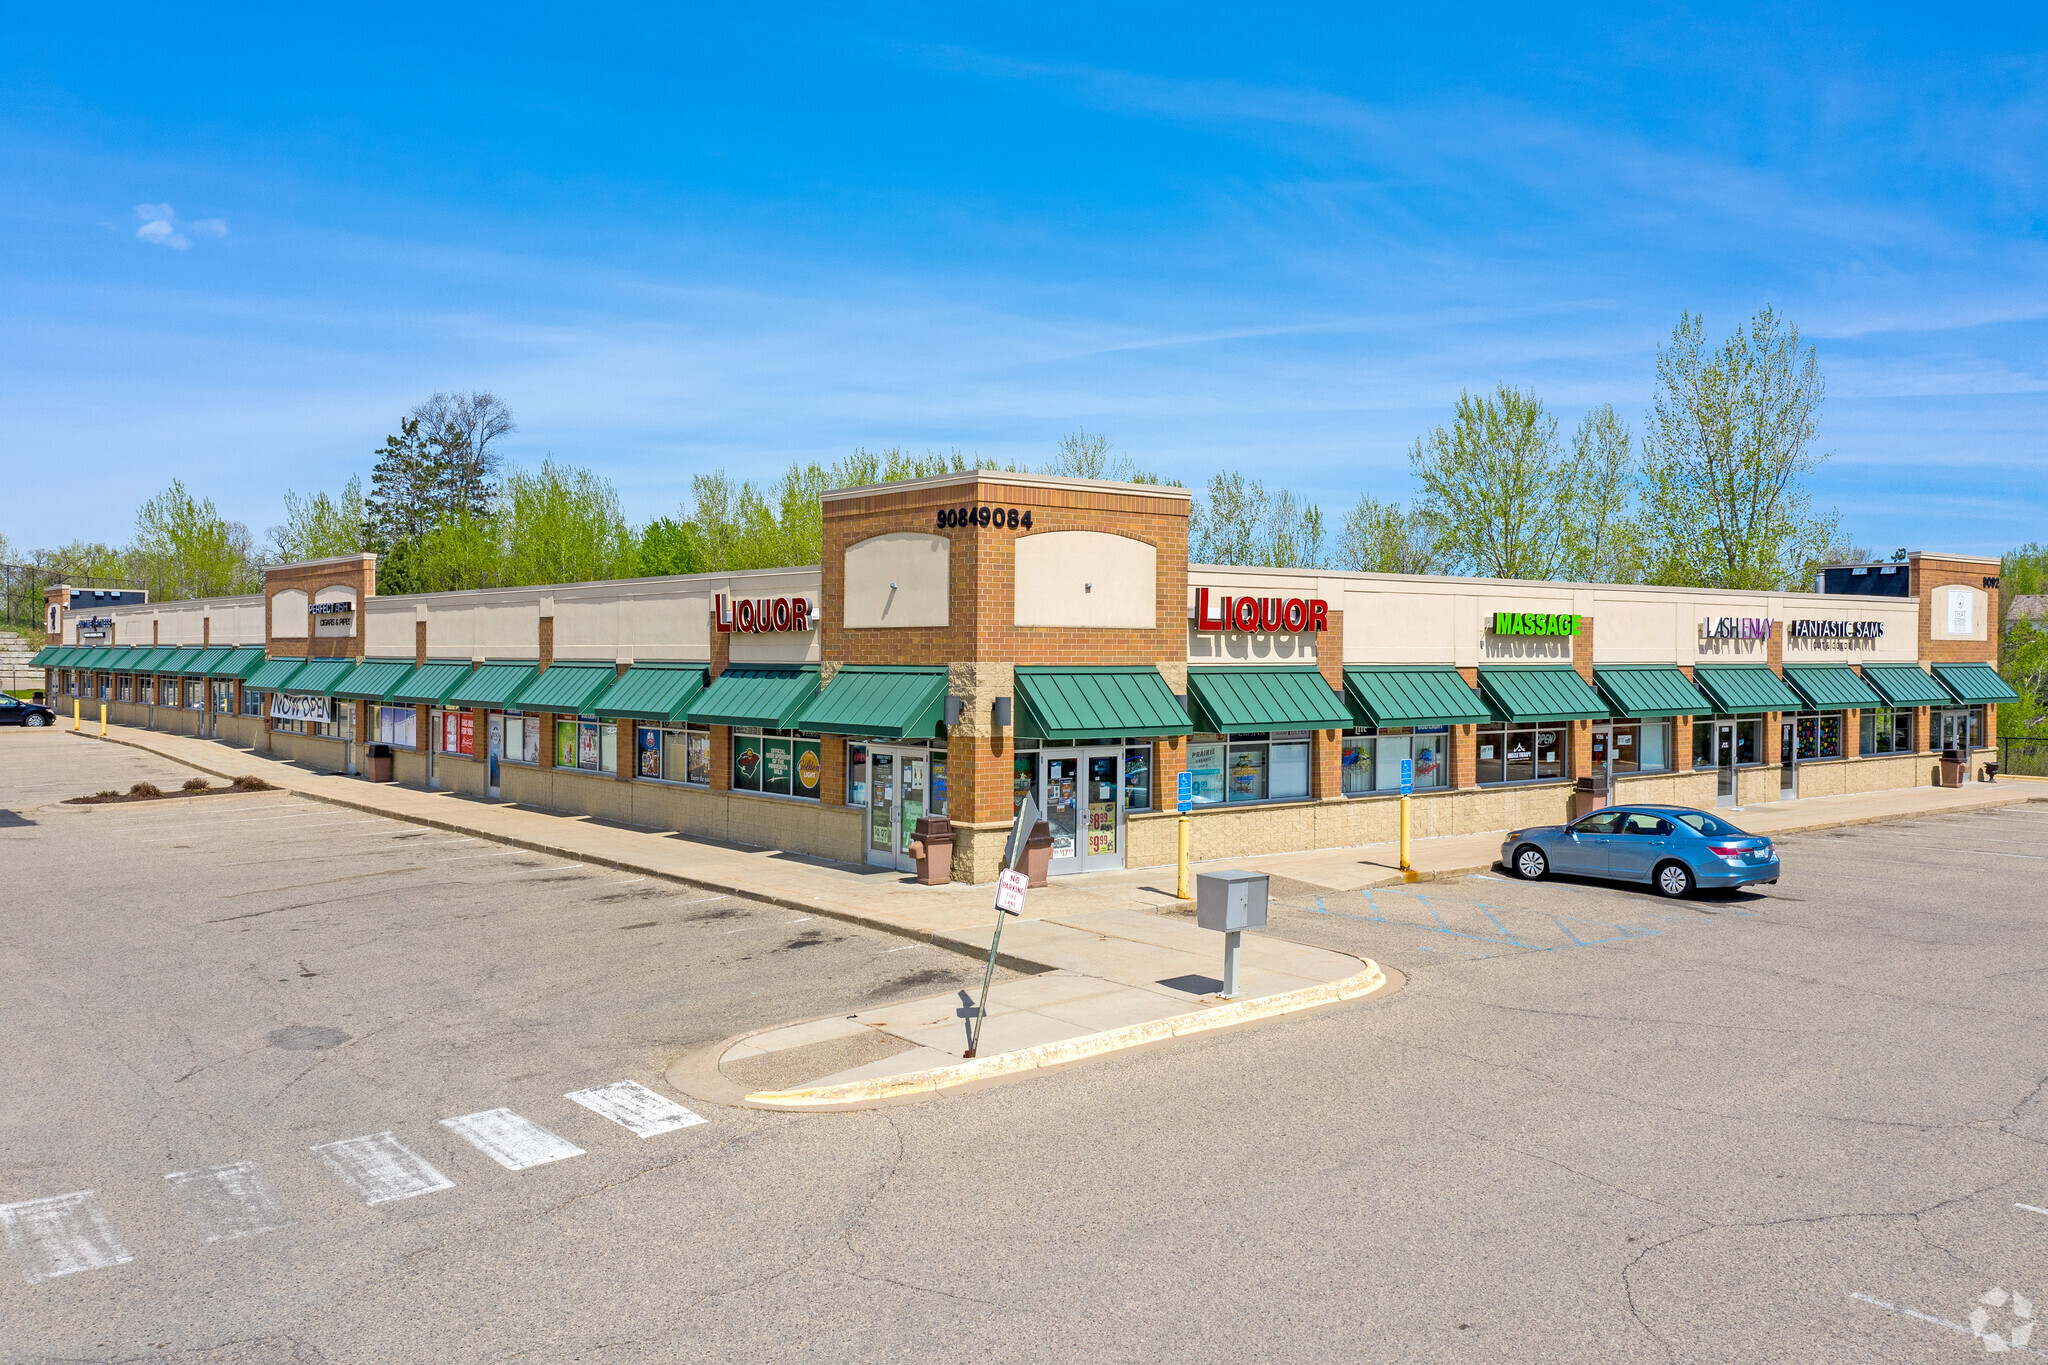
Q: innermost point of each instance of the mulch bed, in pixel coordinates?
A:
(144, 791)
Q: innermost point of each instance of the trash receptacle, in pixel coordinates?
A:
(1952, 768)
(1038, 853)
(377, 758)
(1590, 795)
(931, 845)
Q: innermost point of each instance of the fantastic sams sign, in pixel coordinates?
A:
(763, 615)
(1261, 615)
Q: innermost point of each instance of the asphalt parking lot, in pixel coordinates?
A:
(1801, 1124)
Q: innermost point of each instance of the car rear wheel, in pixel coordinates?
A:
(1674, 880)
(1530, 864)
(33, 720)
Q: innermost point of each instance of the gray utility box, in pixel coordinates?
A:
(1230, 901)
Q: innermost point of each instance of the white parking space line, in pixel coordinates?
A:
(632, 1105)
(779, 924)
(296, 829)
(228, 1201)
(380, 1168)
(363, 851)
(513, 1142)
(2030, 1208)
(61, 1235)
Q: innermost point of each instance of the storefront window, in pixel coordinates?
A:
(585, 743)
(1249, 767)
(1371, 760)
(1521, 753)
(681, 754)
(1886, 730)
(223, 699)
(776, 763)
(398, 726)
(456, 732)
(1635, 746)
(1023, 779)
(1819, 734)
(936, 796)
(1746, 731)
(252, 702)
(857, 775)
(1138, 777)
(147, 689)
(195, 694)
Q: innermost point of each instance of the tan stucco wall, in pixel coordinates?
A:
(1753, 785)
(314, 751)
(1669, 789)
(1889, 772)
(903, 578)
(409, 766)
(1088, 579)
(761, 821)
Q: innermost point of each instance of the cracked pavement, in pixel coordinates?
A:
(1690, 1135)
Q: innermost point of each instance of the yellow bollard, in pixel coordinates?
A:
(74, 713)
(103, 720)
(1185, 891)
(1404, 840)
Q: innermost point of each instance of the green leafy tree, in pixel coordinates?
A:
(404, 505)
(184, 548)
(464, 429)
(2023, 643)
(322, 526)
(1496, 488)
(562, 525)
(459, 552)
(670, 545)
(1239, 521)
(1726, 454)
(1600, 533)
(1382, 537)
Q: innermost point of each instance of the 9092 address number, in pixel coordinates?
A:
(988, 518)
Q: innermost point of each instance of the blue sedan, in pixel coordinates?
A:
(1674, 848)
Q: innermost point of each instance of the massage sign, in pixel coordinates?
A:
(1261, 615)
(763, 615)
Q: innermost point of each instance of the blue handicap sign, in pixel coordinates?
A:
(1187, 792)
(1407, 777)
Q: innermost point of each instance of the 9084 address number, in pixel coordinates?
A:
(989, 518)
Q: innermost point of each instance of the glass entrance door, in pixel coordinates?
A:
(1955, 734)
(1724, 764)
(897, 781)
(1788, 770)
(1083, 796)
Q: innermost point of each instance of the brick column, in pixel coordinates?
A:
(1581, 746)
(547, 642)
(1326, 759)
(545, 751)
(480, 735)
(721, 648)
(1773, 750)
(1923, 723)
(1169, 761)
(1681, 744)
(832, 781)
(1464, 756)
(1852, 734)
(721, 748)
(1582, 650)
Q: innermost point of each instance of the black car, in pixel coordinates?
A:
(15, 711)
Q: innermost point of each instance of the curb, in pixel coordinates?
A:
(884, 1089)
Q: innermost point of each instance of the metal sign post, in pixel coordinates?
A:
(1407, 790)
(1186, 804)
(1010, 887)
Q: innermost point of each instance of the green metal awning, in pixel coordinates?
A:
(566, 689)
(180, 662)
(1412, 694)
(1830, 687)
(652, 692)
(1540, 692)
(93, 659)
(886, 703)
(151, 658)
(319, 676)
(1975, 684)
(372, 679)
(1745, 689)
(240, 663)
(273, 673)
(431, 682)
(1240, 699)
(1097, 703)
(131, 657)
(114, 658)
(1905, 685)
(763, 698)
(493, 685)
(1640, 691)
(208, 660)
(46, 657)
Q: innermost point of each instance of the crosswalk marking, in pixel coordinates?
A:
(513, 1142)
(228, 1201)
(380, 1168)
(61, 1235)
(632, 1105)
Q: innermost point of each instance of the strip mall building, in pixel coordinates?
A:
(970, 638)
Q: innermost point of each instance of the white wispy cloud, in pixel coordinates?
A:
(160, 227)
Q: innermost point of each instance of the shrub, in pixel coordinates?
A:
(249, 782)
(195, 784)
(105, 795)
(142, 789)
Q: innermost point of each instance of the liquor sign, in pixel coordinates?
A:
(1262, 615)
(1535, 623)
(763, 615)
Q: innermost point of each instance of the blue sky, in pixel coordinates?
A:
(1273, 238)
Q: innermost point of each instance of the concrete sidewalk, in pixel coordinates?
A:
(1112, 957)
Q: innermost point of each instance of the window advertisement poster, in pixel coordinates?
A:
(1205, 766)
(1429, 760)
(649, 762)
(856, 774)
(697, 758)
(465, 736)
(777, 766)
(588, 754)
(746, 762)
(810, 767)
(1248, 774)
(565, 744)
